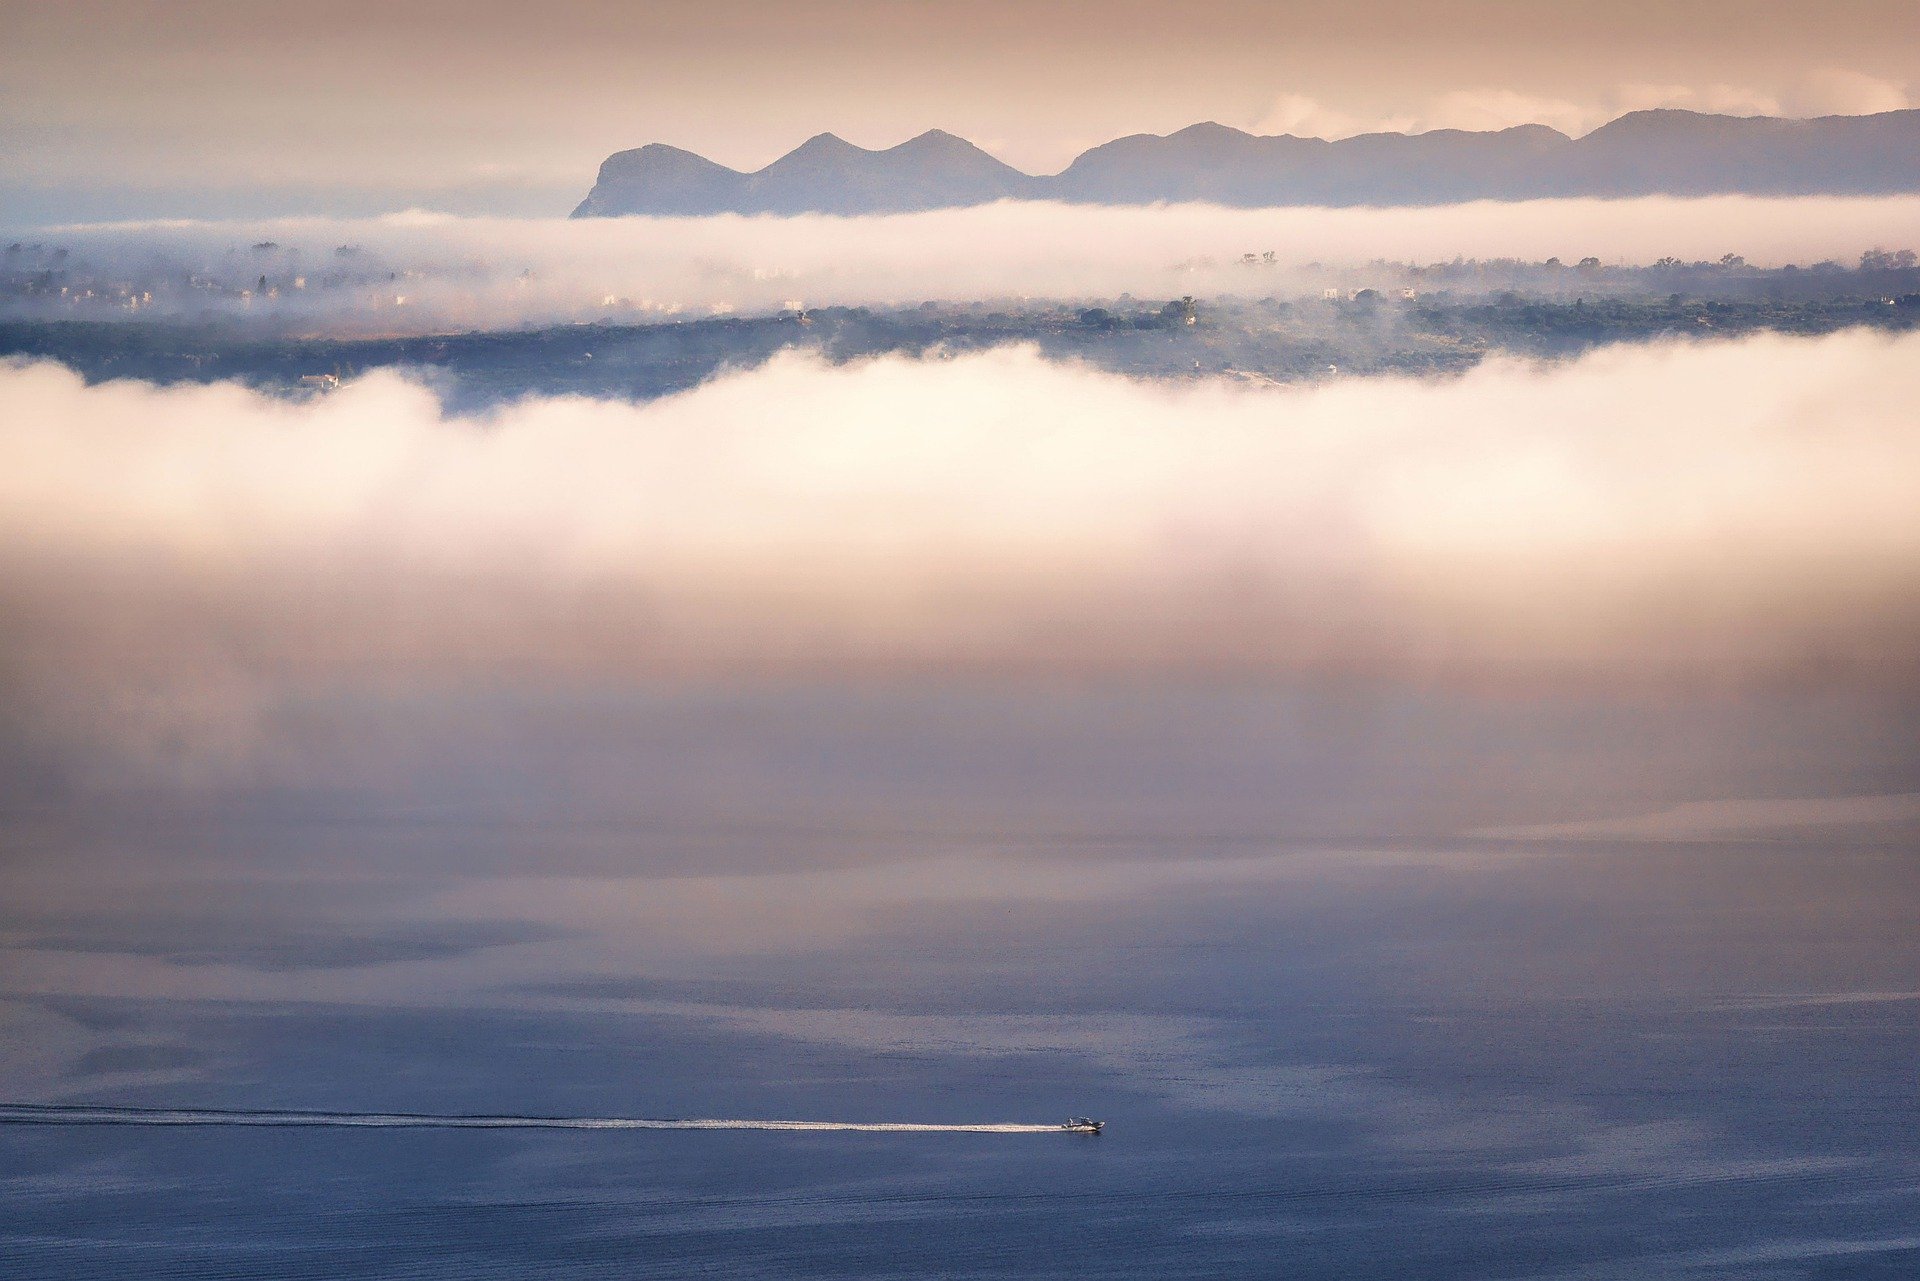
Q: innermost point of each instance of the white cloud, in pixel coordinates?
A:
(1830, 91)
(1485, 110)
(1714, 99)
(1719, 513)
(1304, 117)
(1835, 92)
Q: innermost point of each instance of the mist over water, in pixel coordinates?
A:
(1398, 807)
(1706, 514)
(424, 273)
(1348, 1053)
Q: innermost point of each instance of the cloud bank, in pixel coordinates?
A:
(1829, 91)
(427, 272)
(1700, 515)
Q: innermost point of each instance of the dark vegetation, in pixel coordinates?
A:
(1360, 332)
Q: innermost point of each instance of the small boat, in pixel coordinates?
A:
(1083, 1125)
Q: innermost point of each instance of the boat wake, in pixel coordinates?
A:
(86, 1114)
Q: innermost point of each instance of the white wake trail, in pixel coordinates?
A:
(55, 1114)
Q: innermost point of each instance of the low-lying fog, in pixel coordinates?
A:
(183, 566)
(428, 272)
(1462, 821)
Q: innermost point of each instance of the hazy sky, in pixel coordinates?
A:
(351, 105)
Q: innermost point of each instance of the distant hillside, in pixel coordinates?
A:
(824, 174)
(1645, 153)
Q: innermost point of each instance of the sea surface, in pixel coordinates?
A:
(1359, 1055)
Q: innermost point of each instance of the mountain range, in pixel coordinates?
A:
(1664, 152)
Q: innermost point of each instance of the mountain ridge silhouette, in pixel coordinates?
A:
(1656, 152)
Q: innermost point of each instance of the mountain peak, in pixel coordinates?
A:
(824, 142)
(938, 142)
(670, 180)
(1209, 130)
(1664, 151)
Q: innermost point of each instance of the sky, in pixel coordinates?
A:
(221, 107)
